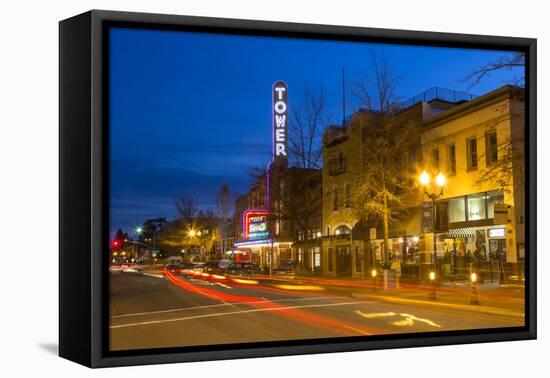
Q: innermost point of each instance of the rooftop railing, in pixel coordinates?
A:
(441, 94)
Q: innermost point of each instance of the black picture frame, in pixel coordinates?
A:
(83, 180)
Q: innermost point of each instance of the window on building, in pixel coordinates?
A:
(457, 210)
(471, 152)
(452, 160)
(317, 258)
(476, 206)
(301, 235)
(340, 161)
(335, 199)
(435, 159)
(493, 197)
(347, 194)
(330, 262)
(491, 147)
(328, 231)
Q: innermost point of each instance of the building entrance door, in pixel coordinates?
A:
(497, 248)
(343, 261)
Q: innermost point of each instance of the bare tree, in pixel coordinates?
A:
(297, 197)
(509, 147)
(186, 207)
(509, 62)
(307, 123)
(225, 206)
(381, 195)
(377, 91)
(256, 172)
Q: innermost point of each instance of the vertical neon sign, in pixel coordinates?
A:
(280, 120)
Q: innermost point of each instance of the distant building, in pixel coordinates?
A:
(279, 210)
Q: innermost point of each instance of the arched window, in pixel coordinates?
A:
(335, 199)
(342, 230)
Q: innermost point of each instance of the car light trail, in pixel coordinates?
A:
(244, 282)
(289, 312)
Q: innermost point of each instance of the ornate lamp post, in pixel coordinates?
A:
(440, 182)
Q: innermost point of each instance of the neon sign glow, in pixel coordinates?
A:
(255, 224)
(280, 119)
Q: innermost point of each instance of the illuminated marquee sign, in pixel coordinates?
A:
(255, 224)
(280, 119)
(497, 232)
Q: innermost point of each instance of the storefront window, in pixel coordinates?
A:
(317, 259)
(330, 262)
(493, 197)
(476, 206)
(457, 210)
(357, 259)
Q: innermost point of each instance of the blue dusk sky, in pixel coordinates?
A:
(192, 111)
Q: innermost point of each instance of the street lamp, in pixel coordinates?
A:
(139, 230)
(440, 181)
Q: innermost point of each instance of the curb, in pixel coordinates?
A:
(487, 310)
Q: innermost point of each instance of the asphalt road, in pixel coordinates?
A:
(152, 312)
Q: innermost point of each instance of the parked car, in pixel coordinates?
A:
(287, 267)
(172, 268)
(217, 266)
(190, 268)
(243, 269)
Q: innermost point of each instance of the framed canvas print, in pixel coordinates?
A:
(234, 188)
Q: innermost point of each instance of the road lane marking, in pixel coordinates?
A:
(300, 287)
(410, 319)
(463, 307)
(242, 312)
(216, 305)
(373, 315)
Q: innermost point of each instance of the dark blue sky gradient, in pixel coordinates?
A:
(191, 111)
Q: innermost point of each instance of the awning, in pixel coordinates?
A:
(466, 232)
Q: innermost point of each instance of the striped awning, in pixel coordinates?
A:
(466, 232)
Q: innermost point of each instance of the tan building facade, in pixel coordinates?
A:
(478, 146)
(464, 140)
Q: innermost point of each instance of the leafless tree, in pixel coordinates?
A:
(307, 123)
(381, 195)
(186, 207)
(509, 62)
(256, 172)
(377, 90)
(297, 197)
(510, 150)
(225, 205)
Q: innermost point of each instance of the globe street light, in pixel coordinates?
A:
(139, 231)
(440, 181)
